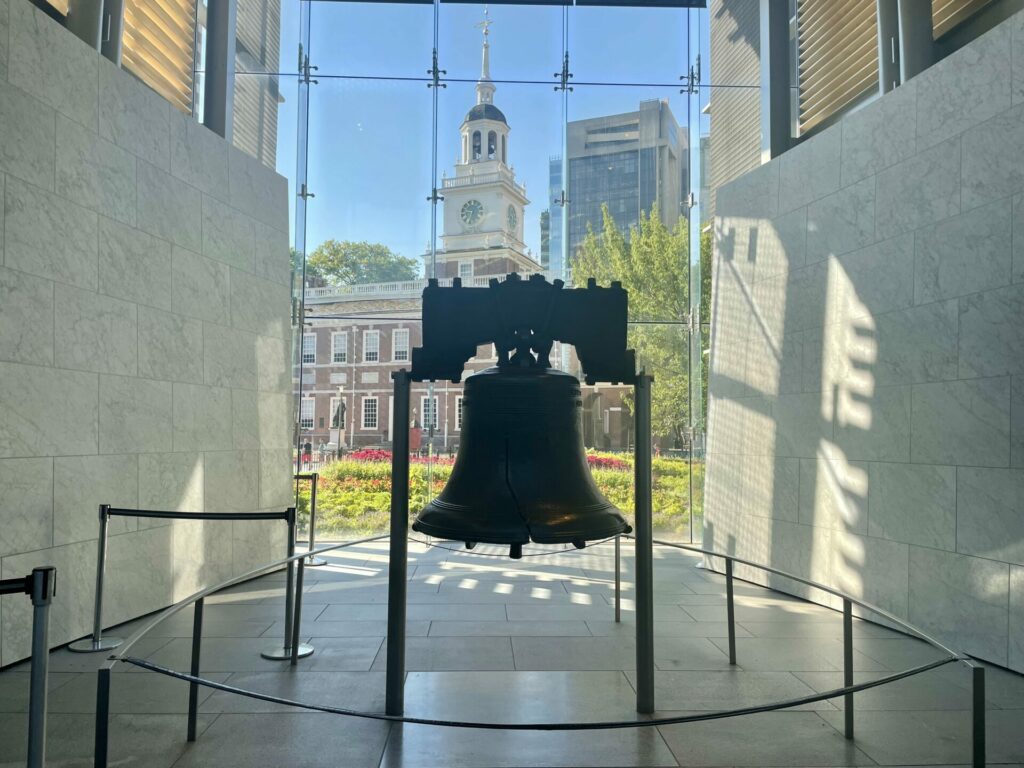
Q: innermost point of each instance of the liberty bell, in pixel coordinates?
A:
(521, 473)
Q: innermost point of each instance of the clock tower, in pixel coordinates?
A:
(483, 203)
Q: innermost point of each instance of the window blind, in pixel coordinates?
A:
(60, 5)
(946, 14)
(838, 56)
(159, 47)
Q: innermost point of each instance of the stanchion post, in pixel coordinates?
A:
(283, 651)
(848, 665)
(399, 549)
(97, 642)
(102, 736)
(43, 588)
(644, 542)
(313, 560)
(297, 619)
(730, 610)
(193, 687)
(618, 579)
(977, 715)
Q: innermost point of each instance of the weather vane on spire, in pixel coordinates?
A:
(485, 25)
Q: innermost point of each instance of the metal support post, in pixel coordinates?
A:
(193, 687)
(730, 610)
(283, 652)
(312, 560)
(618, 580)
(644, 541)
(399, 550)
(978, 715)
(97, 642)
(43, 589)
(848, 665)
(297, 618)
(102, 739)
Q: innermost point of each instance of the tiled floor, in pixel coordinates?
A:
(495, 640)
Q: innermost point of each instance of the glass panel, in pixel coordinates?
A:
(628, 46)
(375, 40)
(627, 179)
(525, 42)
(369, 168)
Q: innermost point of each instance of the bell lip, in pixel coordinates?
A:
(449, 535)
(568, 538)
(560, 538)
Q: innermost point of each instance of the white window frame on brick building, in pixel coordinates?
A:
(309, 349)
(339, 347)
(307, 413)
(400, 345)
(371, 347)
(465, 270)
(458, 413)
(367, 411)
(424, 403)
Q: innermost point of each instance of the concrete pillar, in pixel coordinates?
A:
(917, 49)
(218, 96)
(85, 19)
(775, 99)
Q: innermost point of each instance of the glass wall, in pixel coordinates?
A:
(463, 140)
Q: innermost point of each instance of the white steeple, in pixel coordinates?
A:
(484, 86)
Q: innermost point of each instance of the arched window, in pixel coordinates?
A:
(492, 145)
(504, 153)
(476, 145)
(465, 148)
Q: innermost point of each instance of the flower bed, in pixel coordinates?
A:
(354, 494)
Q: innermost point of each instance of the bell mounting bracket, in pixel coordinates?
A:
(523, 318)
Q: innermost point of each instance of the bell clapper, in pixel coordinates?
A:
(515, 551)
(579, 544)
(470, 544)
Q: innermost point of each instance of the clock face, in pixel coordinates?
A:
(472, 212)
(511, 218)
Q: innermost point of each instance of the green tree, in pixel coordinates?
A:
(706, 256)
(652, 265)
(349, 263)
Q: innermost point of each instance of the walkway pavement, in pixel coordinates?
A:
(535, 640)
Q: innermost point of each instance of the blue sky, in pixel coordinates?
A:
(370, 140)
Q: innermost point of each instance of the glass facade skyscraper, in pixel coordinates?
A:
(631, 162)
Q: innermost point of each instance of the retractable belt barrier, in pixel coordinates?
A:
(314, 479)
(41, 586)
(97, 642)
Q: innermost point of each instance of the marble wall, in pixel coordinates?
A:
(866, 424)
(144, 335)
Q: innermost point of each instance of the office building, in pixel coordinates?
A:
(630, 162)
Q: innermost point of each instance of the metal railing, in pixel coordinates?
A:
(41, 586)
(846, 692)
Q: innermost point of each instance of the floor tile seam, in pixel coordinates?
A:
(853, 743)
(185, 750)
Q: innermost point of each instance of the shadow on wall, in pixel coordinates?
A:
(794, 400)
